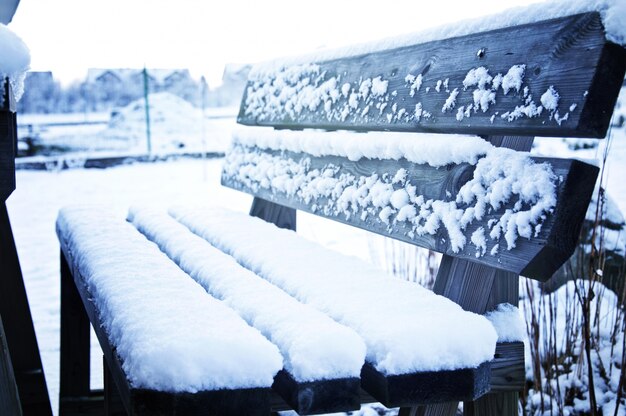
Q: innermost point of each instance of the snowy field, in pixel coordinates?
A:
(176, 126)
(34, 205)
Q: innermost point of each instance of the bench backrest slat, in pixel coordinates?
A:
(406, 89)
(536, 257)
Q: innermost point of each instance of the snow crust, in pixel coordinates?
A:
(502, 176)
(432, 149)
(14, 60)
(305, 91)
(164, 344)
(406, 328)
(613, 13)
(508, 322)
(314, 346)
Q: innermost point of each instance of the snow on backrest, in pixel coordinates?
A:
(536, 78)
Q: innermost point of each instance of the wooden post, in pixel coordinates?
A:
(9, 399)
(75, 346)
(282, 217)
(113, 405)
(14, 310)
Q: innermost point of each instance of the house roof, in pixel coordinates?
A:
(159, 74)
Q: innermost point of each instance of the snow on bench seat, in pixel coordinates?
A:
(406, 328)
(168, 332)
(314, 346)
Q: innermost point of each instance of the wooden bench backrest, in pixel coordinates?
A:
(571, 54)
(407, 88)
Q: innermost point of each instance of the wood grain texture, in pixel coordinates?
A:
(9, 399)
(317, 397)
(18, 327)
(427, 387)
(508, 372)
(279, 215)
(538, 257)
(492, 405)
(569, 53)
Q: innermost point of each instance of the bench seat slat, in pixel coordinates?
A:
(329, 185)
(322, 357)
(392, 316)
(165, 348)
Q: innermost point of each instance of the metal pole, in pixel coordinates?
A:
(145, 94)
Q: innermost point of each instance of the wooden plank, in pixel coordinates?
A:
(538, 257)
(18, 327)
(427, 387)
(441, 409)
(9, 399)
(508, 372)
(570, 53)
(150, 402)
(317, 397)
(493, 405)
(75, 344)
(8, 143)
(113, 405)
(280, 216)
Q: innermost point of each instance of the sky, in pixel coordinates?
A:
(69, 36)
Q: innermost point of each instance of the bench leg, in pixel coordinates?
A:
(113, 405)
(488, 287)
(9, 399)
(74, 392)
(278, 215)
(18, 327)
(442, 409)
(493, 404)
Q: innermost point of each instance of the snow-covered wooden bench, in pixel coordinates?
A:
(325, 331)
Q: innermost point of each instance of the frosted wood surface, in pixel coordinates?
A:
(538, 257)
(571, 54)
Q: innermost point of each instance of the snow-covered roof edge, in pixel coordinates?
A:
(613, 13)
(14, 61)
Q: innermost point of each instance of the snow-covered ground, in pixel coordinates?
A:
(34, 205)
(175, 125)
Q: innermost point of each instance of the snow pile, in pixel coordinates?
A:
(175, 124)
(314, 346)
(508, 322)
(406, 328)
(611, 236)
(502, 178)
(613, 13)
(164, 344)
(14, 60)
